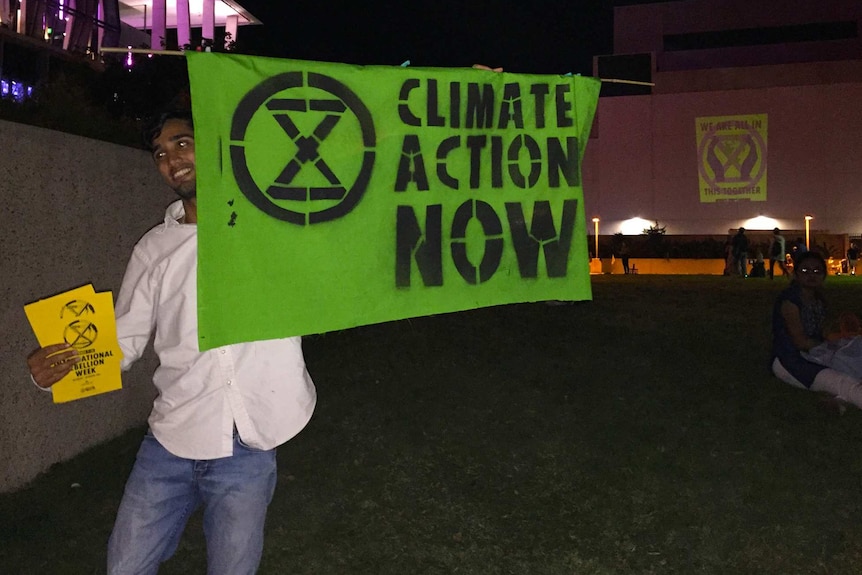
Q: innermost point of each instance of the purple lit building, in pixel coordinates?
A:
(32, 32)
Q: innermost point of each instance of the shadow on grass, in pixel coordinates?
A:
(638, 433)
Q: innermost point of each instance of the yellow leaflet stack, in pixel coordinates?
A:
(85, 320)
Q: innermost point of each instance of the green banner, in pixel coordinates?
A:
(332, 195)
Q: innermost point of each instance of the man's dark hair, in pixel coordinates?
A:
(153, 127)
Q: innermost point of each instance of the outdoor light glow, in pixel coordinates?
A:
(62, 2)
(760, 223)
(634, 226)
(808, 231)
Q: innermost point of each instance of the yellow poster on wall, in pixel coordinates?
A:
(85, 320)
(731, 157)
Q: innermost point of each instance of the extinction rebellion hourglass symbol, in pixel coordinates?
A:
(80, 333)
(312, 111)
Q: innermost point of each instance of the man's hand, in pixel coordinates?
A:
(51, 363)
(484, 67)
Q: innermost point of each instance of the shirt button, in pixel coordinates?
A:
(230, 382)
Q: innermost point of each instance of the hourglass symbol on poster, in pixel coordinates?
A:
(80, 333)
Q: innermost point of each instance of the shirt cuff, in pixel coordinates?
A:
(46, 389)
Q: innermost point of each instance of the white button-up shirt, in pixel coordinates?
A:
(262, 387)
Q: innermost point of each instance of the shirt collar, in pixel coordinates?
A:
(174, 214)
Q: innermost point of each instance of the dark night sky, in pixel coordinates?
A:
(531, 36)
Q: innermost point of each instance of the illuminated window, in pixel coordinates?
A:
(17, 91)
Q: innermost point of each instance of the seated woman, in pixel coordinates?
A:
(798, 319)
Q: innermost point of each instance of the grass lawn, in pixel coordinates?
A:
(641, 433)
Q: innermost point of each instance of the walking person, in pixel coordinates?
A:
(777, 254)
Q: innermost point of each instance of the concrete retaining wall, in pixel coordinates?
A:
(73, 208)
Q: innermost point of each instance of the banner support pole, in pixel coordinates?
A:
(110, 50)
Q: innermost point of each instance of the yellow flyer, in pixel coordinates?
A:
(85, 320)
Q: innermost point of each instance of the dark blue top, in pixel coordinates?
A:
(813, 316)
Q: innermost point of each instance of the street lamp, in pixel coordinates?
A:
(596, 224)
(808, 231)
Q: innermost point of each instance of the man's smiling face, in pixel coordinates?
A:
(174, 154)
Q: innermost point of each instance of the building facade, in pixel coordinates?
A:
(752, 119)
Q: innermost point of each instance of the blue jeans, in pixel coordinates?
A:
(164, 490)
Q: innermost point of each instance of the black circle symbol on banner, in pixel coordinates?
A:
(314, 204)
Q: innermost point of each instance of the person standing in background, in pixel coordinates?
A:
(852, 257)
(777, 253)
(740, 252)
(624, 255)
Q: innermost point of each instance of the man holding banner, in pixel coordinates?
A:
(219, 414)
(380, 193)
(374, 193)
